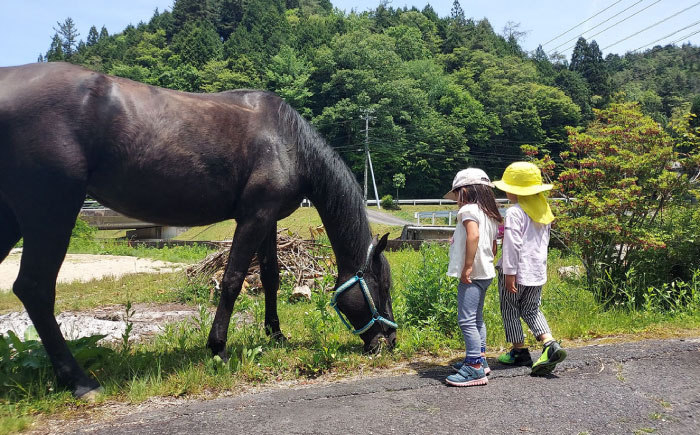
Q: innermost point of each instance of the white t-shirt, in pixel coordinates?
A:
(483, 260)
(525, 244)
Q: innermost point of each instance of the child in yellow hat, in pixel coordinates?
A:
(523, 267)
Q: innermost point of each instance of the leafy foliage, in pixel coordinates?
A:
(24, 360)
(622, 184)
(430, 295)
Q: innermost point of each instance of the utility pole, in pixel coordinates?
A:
(366, 113)
(368, 159)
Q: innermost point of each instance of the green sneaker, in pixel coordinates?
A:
(516, 357)
(552, 354)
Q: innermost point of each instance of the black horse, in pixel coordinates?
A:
(172, 158)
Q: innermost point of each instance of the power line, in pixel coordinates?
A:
(670, 34)
(582, 22)
(685, 37)
(622, 20)
(597, 25)
(653, 25)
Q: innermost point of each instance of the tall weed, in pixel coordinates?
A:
(429, 295)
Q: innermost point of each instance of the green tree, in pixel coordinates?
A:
(399, 181)
(576, 87)
(288, 76)
(55, 53)
(220, 75)
(409, 42)
(68, 34)
(93, 36)
(456, 32)
(587, 60)
(229, 14)
(192, 11)
(197, 43)
(695, 112)
(619, 179)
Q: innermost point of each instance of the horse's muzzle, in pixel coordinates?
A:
(381, 341)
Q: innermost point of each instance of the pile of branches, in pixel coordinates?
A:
(304, 260)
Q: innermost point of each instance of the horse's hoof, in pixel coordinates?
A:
(279, 337)
(89, 395)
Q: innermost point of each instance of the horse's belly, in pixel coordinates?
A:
(167, 204)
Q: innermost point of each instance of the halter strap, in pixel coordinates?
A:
(359, 277)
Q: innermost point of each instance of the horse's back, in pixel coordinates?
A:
(156, 154)
(28, 86)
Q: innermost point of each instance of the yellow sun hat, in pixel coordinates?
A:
(522, 179)
(525, 180)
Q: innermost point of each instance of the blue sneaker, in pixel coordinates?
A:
(468, 376)
(484, 364)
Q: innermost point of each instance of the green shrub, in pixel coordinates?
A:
(82, 230)
(388, 203)
(681, 226)
(430, 296)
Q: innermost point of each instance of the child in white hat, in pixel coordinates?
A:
(471, 260)
(523, 267)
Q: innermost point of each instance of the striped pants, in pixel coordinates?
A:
(526, 304)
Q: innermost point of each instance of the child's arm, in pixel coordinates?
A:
(495, 248)
(470, 253)
(512, 243)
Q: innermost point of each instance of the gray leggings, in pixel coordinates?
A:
(470, 316)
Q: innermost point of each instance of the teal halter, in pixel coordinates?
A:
(376, 317)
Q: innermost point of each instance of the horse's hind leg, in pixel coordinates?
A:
(246, 241)
(9, 230)
(270, 277)
(47, 229)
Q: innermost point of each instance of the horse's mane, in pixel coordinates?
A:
(331, 186)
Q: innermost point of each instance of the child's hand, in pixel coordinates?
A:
(452, 240)
(510, 284)
(466, 277)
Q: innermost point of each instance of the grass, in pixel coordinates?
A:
(176, 362)
(173, 254)
(305, 218)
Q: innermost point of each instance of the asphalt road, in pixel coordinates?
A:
(641, 387)
(379, 217)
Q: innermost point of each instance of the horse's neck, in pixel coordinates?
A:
(349, 242)
(339, 203)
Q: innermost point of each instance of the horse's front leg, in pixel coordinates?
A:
(246, 241)
(270, 278)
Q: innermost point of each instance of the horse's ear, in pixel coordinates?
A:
(381, 244)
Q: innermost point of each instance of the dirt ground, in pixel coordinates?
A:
(85, 267)
(148, 319)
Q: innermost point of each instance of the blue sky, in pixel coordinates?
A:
(26, 26)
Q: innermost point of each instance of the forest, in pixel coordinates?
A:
(437, 93)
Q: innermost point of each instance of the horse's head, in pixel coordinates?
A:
(356, 307)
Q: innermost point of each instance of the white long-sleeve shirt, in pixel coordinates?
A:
(525, 244)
